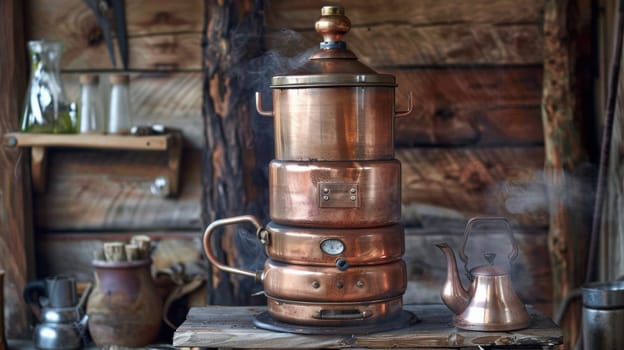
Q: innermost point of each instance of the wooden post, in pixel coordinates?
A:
(565, 154)
(15, 215)
(233, 35)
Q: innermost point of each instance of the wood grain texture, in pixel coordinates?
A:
(232, 327)
(469, 106)
(426, 266)
(110, 190)
(421, 33)
(440, 184)
(16, 250)
(400, 44)
(162, 35)
(171, 99)
(297, 14)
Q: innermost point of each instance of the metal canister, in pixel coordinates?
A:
(603, 315)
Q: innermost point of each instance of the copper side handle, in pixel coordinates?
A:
(410, 107)
(257, 275)
(259, 108)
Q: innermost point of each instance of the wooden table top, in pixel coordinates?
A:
(232, 327)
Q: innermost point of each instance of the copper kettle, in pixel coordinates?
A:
(490, 303)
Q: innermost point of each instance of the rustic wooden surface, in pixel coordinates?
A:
(232, 327)
(16, 251)
(565, 154)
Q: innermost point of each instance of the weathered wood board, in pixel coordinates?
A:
(162, 35)
(440, 185)
(232, 327)
(110, 190)
(469, 106)
(421, 33)
(296, 14)
(412, 45)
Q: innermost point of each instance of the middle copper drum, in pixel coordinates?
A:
(335, 242)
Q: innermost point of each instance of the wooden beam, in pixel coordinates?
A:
(233, 180)
(15, 216)
(565, 154)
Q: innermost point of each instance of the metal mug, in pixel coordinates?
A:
(52, 292)
(603, 315)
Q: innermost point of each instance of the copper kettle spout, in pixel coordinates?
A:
(453, 293)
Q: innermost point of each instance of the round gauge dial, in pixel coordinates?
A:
(332, 246)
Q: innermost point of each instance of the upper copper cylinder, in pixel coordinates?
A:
(334, 123)
(333, 107)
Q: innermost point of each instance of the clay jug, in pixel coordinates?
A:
(124, 308)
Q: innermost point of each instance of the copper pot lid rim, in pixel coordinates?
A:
(330, 80)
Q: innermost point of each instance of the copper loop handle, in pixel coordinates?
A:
(514, 246)
(257, 275)
(410, 107)
(259, 108)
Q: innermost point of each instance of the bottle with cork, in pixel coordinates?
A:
(90, 112)
(120, 113)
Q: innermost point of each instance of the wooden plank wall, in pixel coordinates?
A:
(473, 145)
(97, 196)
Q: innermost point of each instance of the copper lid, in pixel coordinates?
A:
(332, 64)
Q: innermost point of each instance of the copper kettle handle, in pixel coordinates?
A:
(410, 107)
(259, 108)
(257, 275)
(514, 246)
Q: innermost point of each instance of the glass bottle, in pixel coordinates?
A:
(90, 109)
(46, 109)
(120, 115)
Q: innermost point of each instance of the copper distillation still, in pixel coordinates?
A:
(334, 242)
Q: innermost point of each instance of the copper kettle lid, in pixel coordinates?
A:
(332, 64)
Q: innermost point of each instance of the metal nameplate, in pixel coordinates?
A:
(338, 195)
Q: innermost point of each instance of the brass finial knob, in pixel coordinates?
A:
(332, 25)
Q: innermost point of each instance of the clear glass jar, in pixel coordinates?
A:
(120, 114)
(90, 109)
(46, 109)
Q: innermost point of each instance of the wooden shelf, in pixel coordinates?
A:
(129, 142)
(171, 143)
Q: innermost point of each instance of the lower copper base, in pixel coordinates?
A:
(402, 320)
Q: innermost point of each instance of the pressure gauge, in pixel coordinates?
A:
(332, 246)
